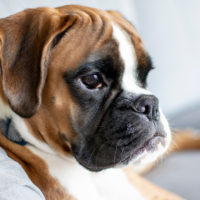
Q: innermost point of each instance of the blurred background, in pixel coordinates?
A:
(170, 30)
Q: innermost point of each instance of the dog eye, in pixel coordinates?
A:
(92, 81)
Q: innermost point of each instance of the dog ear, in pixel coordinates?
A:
(26, 41)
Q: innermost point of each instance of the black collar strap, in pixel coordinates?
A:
(9, 131)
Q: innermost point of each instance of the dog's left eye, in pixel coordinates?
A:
(93, 81)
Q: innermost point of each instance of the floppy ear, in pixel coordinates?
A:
(26, 41)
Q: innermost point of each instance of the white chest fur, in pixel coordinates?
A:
(82, 184)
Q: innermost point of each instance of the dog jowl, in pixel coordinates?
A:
(76, 77)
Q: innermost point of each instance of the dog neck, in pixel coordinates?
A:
(21, 134)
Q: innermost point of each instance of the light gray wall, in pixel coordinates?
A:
(171, 32)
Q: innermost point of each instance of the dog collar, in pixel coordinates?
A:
(9, 131)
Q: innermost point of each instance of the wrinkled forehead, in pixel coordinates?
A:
(98, 34)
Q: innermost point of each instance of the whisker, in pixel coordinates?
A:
(98, 150)
(114, 157)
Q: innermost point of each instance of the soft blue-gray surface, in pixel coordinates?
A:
(188, 118)
(14, 182)
(179, 173)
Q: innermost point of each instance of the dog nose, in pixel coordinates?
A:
(149, 106)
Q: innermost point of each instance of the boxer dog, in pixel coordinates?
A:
(73, 103)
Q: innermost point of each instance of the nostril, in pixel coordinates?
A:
(147, 110)
(147, 105)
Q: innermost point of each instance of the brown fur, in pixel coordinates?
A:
(184, 140)
(49, 123)
(50, 106)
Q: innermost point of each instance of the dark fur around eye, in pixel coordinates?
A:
(143, 70)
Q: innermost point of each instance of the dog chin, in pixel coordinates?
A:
(149, 152)
(152, 149)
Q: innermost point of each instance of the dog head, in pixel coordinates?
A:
(76, 76)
